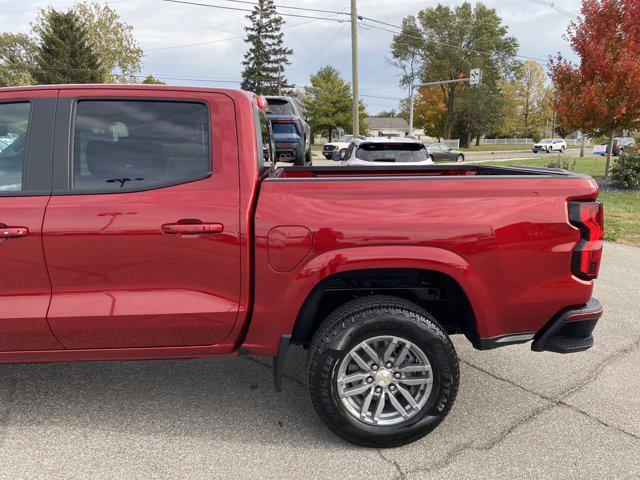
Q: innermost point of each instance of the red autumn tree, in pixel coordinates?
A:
(601, 95)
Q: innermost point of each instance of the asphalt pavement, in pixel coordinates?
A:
(518, 414)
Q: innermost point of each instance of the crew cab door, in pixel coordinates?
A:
(26, 135)
(141, 234)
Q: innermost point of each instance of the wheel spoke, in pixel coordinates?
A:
(371, 352)
(381, 402)
(354, 377)
(415, 368)
(403, 353)
(405, 393)
(416, 380)
(361, 363)
(357, 390)
(396, 404)
(365, 405)
(390, 349)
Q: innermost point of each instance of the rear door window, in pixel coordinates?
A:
(14, 127)
(280, 107)
(124, 145)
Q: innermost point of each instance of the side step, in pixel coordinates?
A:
(565, 344)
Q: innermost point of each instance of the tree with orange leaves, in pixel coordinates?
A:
(602, 94)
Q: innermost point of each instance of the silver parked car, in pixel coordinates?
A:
(441, 152)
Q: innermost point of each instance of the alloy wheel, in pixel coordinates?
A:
(384, 380)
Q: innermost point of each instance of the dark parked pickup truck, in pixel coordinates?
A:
(144, 222)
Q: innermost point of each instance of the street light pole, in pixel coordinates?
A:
(354, 68)
(411, 109)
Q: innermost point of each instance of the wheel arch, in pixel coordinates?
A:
(413, 273)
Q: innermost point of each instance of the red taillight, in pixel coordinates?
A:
(588, 218)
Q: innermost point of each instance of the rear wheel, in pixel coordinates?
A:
(382, 372)
(562, 149)
(460, 158)
(307, 158)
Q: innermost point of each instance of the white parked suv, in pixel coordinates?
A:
(549, 145)
(386, 152)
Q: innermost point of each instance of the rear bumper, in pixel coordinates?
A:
(567, 332)
(570, 331)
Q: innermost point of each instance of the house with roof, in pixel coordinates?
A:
(390, 127)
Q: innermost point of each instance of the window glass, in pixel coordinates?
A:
(280, 107)
(14, 123)
(390, 152)
(120, 145)
(283, 128)
(266, 139)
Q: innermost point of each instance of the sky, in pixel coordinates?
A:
(167, 32)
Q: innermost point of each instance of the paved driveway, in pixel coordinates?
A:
(519, 414)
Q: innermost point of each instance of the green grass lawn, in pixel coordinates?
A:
(495, 148)
(316, 148)
(591, 164)
(622, 216)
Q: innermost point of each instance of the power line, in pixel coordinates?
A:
(222, 7)
(289, 8)
(65, 7)
(321, 50)
(401, 33)
(558, 8)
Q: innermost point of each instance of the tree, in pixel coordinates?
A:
(112, 40)
(328, 102)
(530, 90)
(267, 56)
(600, 94)
(64, 54)
(151, 80)
(450, 43)
(17, 52)
(482, 110)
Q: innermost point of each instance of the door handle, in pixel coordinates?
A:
(13, 232)
(192, 228)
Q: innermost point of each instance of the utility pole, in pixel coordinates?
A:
(280, 80)
(354, 68)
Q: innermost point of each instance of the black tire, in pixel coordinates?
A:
(365, 318)
(299, 160)
(460, 158)
(432, 159)
(307, 158)
(561, 149)
(342, 153)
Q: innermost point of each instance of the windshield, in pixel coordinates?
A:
(280, 107)
(392, 152)
(546, 140)
(284, 128)
(345, 138)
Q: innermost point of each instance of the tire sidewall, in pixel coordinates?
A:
(444, 369)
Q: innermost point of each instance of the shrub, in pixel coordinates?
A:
(626, 173)
(561, 163)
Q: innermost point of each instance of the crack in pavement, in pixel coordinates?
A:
(401, 475)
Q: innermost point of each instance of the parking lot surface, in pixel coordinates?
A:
(519, 414)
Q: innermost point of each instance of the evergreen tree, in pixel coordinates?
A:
(64, 54)
(266, 58)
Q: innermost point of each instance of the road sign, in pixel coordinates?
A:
(475, 77)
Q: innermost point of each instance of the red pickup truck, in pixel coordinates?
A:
(143, 222)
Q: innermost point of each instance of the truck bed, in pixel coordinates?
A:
(426, 171)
